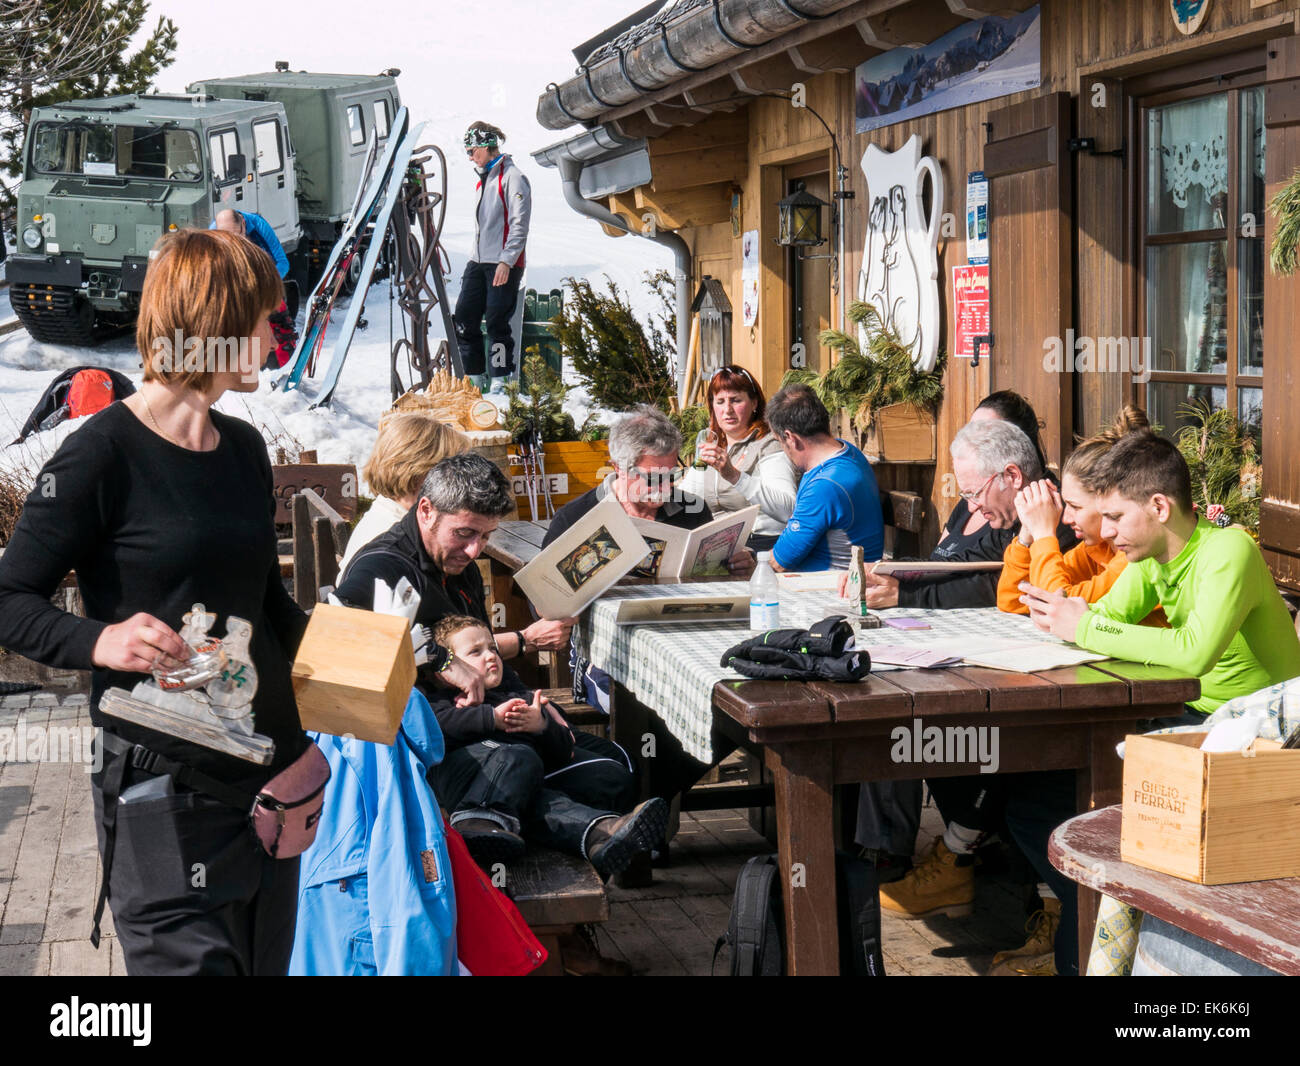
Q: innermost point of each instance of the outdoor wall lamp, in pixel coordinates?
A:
(799, 222)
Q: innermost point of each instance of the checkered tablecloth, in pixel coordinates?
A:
(672, 668)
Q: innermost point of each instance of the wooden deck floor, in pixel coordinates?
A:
(49, 870)
(671, 926)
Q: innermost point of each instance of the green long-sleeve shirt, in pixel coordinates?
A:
(1228, 625)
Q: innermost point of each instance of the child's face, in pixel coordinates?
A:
(475, 645)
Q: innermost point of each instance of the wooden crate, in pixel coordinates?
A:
(901, 433)
(354, 673)
(583, 465)
(1215, 819)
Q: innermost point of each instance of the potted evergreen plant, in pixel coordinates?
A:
(888, 403)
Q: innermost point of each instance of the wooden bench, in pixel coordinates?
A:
(904, 514)
(580, 715)
(320, 536)
(556, 893)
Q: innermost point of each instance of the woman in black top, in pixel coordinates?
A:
(158, 503)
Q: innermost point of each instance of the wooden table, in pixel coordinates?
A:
(1259, 920)
(815, 736)
(513, 544)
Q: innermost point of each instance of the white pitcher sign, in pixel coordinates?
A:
(900, 264)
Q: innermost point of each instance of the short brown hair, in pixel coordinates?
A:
(448, 627)
(207, 285)
(1088, 455)
(1142, 465)
(408, 446)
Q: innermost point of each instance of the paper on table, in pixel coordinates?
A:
(810, 580)
(1028, 658)
(662, 610)
(586, 559)
(908, 655)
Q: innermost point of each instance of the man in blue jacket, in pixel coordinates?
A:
(837, 506)
(253, 226)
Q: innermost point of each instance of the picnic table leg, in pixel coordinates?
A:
(1098, 785)
(802, 774)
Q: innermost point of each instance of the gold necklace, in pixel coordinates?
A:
(145, 400)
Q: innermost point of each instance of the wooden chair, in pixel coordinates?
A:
(904, 514)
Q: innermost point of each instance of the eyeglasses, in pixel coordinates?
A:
(731, 370)
(974, 497)
(650, 477)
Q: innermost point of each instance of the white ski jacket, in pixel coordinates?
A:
(505, 204)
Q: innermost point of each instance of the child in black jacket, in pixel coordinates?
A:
(513, 766)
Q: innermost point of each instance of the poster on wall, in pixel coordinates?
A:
(979, 60)
(977, 217)
(749, 277)
(970, 299)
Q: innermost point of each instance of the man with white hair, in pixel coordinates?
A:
(991, 461)
(643, 448)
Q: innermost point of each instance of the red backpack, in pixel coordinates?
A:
(88, 392)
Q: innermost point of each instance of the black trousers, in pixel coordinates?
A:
(479, 296)
(554, 808)
(191, 890)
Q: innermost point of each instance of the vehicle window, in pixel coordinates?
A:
(104, 151)
(356, 125)
(381, 118)
(221, 146)
(266, 139)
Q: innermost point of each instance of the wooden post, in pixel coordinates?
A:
(304, 555)
(327, 562)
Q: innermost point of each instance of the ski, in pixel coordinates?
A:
(393, 186)
(320, 304)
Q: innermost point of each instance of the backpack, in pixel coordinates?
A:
(817, 654)
(756, 929)
(88, 392)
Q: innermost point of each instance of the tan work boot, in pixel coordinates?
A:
(936, 885)
(1026, 966)
(1041, 928)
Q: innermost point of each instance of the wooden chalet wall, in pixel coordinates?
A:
(1085, 44)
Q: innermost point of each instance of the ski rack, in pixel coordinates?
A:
(398, 215)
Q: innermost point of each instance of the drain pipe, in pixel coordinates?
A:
(570, 173)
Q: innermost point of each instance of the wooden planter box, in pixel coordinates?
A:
(572, 468)
(901, 433)
(1215, 819)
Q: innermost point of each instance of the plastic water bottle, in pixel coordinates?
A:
(764, 596)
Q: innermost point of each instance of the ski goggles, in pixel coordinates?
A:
(476, 137)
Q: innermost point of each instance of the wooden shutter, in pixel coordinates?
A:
(1279, 511)
(1031, 257)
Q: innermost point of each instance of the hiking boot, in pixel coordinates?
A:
(490, 843)
(1026, 966)
(611, 843)
(1041, 928)
(889, 867)
(943, 883)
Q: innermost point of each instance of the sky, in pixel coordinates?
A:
(459, 62)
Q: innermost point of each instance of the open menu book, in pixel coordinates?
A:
(605, 545)
(582, 562)
(693, 554)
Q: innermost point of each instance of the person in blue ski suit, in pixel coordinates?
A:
(253, 226)
(375, 892)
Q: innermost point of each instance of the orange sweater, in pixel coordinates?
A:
(1082, 571)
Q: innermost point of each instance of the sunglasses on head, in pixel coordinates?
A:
(731, 370)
